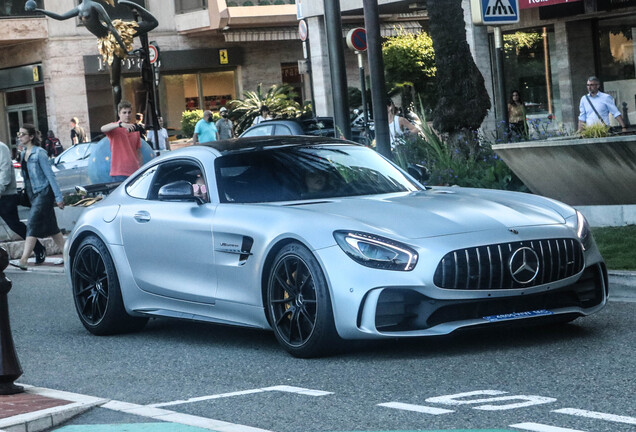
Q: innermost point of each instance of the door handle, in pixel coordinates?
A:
(142, 216)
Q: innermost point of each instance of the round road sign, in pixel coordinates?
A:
(302, 30)
(357, 39)
(153, 53)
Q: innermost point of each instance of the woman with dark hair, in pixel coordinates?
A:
(517, 116)
(43, 191)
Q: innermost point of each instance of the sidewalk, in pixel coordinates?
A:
(38, 409)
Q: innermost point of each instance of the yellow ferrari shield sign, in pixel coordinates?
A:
(223, 57)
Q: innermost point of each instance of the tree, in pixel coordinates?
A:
(279, 99)
(463, 101)
(409, 63)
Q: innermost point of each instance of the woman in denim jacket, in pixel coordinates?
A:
(43, 191)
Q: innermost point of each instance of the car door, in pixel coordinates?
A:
(169, 244)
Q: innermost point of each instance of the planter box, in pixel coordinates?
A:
(600, 171)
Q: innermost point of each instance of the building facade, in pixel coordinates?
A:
(210, 53)
(214, 50)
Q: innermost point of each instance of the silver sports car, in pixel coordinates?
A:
(322, 240)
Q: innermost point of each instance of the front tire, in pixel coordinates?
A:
(97, 293)
(299, 304)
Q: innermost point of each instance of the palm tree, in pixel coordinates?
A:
(463, 101)
(279, 99)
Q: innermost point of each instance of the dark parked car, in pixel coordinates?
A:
(319, 126)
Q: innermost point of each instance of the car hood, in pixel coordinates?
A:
(440, 212)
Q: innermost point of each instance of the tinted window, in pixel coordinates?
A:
(139, 187)
(170, 172)
(283, 130)
(299, 173)
(259, 131)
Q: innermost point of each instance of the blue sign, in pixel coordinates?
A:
(498, 12)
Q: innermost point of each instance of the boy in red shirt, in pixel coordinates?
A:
(125, 144)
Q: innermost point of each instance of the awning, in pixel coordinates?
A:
(291, 33)
(261, 35)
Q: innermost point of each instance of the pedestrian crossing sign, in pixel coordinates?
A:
(495, 12)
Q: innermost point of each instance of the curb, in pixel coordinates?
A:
(47, 418)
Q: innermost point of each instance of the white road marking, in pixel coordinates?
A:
(282, 388)
(175, 417)
(537, 427)
(597, 415)
(457, 399)
(416, 408)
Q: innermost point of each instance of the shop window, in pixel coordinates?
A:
(616, 65)
(185, 6)
(527, 69)
(292, 77)
(616, 49)
(19, 97)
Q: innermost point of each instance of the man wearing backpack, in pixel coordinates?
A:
(77, 132)
(52, 145)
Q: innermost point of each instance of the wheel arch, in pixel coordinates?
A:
(267, 265)
(79, 238)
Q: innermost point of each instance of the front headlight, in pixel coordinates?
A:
(375, 251)
(583, 230)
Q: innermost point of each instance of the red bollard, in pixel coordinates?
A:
(10, 369)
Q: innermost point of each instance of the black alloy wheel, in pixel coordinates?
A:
(97, 293)
(299, 304)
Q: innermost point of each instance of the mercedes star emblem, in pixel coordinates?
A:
(524, 265)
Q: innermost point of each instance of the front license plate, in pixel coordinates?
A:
(517, 315)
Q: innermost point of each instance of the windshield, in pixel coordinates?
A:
(75, 153)
(302, 173)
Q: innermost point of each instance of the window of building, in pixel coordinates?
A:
(185, 6)
(616, 65)
(15, 8)
(528, 69)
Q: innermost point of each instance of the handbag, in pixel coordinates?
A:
(23, 198)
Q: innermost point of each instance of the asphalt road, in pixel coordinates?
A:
(579, 377)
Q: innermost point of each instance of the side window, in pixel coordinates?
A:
(170, 172)
(264, 130)
(139, 187)
(283, 130)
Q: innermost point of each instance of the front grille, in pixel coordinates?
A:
(488, 267)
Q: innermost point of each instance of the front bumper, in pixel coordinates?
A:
(371, 304)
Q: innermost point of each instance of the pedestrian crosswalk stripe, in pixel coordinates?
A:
(499, 8)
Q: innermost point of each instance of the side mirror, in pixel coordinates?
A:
(180, 190)
(419, 172)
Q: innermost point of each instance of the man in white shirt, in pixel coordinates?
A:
(602, 102)
(164, 142)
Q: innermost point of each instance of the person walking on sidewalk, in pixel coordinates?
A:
(9, 202)
(43, 191)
